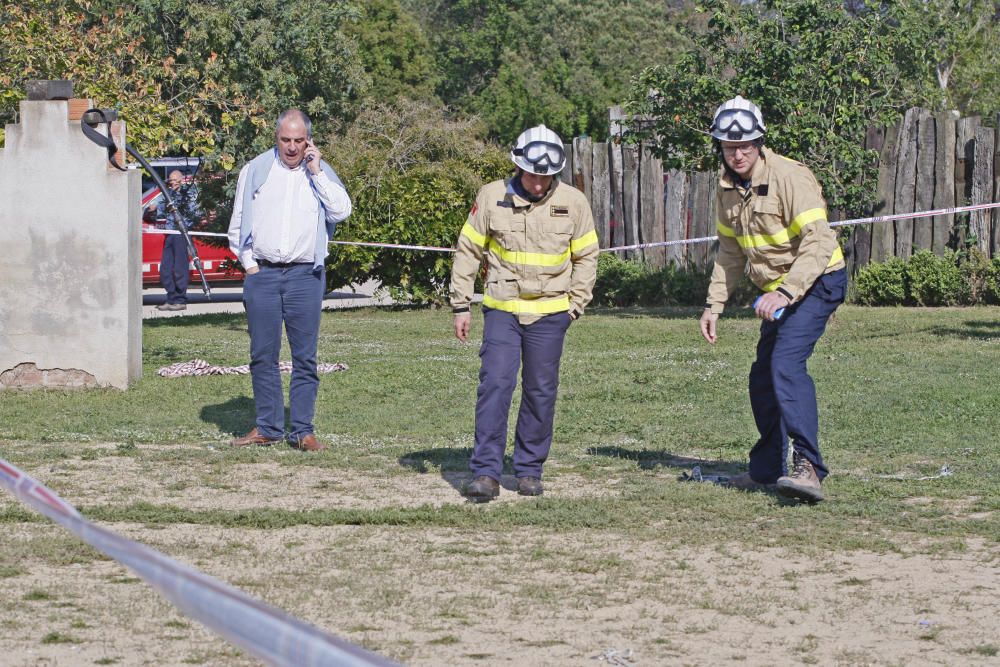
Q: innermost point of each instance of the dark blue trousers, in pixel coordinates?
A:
(293, 296)
(506, 344)
(174, 272)
(782, 393)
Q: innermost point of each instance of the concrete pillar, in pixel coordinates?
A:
(70, 256)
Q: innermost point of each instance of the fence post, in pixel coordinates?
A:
(566, 175)
(583, 167)
(630, 198)
(944, 186)
(652, 229)
(617, 223)
(601, 197)
(906, 178)
(995, 213)
(675, 214)
(883, 234)
(923, 198)
(982, 187)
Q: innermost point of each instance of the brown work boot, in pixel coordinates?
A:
(254, 438)
(803, 483)
(308, 443)
(529, 486)
(482, 489)
(744, 482)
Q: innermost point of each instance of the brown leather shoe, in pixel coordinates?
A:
(529, 486)
(308, 443)
(254, 438)
(803, 483)
(482, 489)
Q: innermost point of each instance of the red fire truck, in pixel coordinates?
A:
(218, 262)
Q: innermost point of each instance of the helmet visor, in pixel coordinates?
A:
(541, 153)
(736, 120)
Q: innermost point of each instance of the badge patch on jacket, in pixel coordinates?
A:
(559, 211)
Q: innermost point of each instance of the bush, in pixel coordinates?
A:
(412, 172)
(881, 284)
(622, 283)
(935, 281)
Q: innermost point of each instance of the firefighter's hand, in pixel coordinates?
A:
(769, 304)
(708, 320)
(462, 323)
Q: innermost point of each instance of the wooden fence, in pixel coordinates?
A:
(926, 161)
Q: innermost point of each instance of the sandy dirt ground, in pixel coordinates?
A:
(437, 596)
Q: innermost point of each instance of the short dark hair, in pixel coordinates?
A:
(288, 113)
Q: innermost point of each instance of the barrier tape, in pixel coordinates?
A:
(657, 244)
(267, 633)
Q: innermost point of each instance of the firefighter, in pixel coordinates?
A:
(538, 238)
(772, 223)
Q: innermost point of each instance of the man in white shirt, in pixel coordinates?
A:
(288, 203)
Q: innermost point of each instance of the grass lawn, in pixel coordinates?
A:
(372, 540)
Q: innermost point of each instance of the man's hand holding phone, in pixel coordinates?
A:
(311, 157)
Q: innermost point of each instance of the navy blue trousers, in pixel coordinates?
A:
(507, 346)
(292, 296)
(174, 272)
(782, 394)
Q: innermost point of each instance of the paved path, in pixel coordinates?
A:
(230, 300)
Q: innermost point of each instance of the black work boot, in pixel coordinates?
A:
(803, 483)
(529, 486)
(482, 489)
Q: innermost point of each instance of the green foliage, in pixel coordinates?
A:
(517, 64)
(820, 75)
(623, 283)
(935, 281)
(951, 52)
(928, 280)
(171, 103)
(394, 52)
(413, 173)
(881, 284)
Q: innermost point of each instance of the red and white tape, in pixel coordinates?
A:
(656, 244)
(267, 633)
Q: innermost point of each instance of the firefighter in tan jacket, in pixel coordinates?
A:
(538, 237)
(773, 226)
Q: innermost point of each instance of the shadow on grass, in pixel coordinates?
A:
(453, 463)
(977, 329)
(235, 416)
(650, 459)
(232, 321)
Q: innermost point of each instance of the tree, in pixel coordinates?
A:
(951, 47)
(559, 62)
(820, 75)
(169, 106)
(412, 172)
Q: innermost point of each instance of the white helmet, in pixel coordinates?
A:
(737, 120)
(539, 151)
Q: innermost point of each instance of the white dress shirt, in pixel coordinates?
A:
(285, 212)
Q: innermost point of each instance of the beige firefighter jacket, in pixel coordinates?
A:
(776, 231)
(541, 256)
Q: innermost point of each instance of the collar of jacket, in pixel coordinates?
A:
(522, 202)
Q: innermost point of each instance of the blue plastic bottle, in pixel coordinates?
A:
(777, 314)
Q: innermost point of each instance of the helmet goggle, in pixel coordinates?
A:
(742, 120)
(541, 154)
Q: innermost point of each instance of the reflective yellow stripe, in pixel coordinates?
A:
(837, 256)
(470, 233)
(527, 258)
(585, 241)
(784, 236)
(536, 306)
(804, 218)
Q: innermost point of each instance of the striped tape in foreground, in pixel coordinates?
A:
(266, 632)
